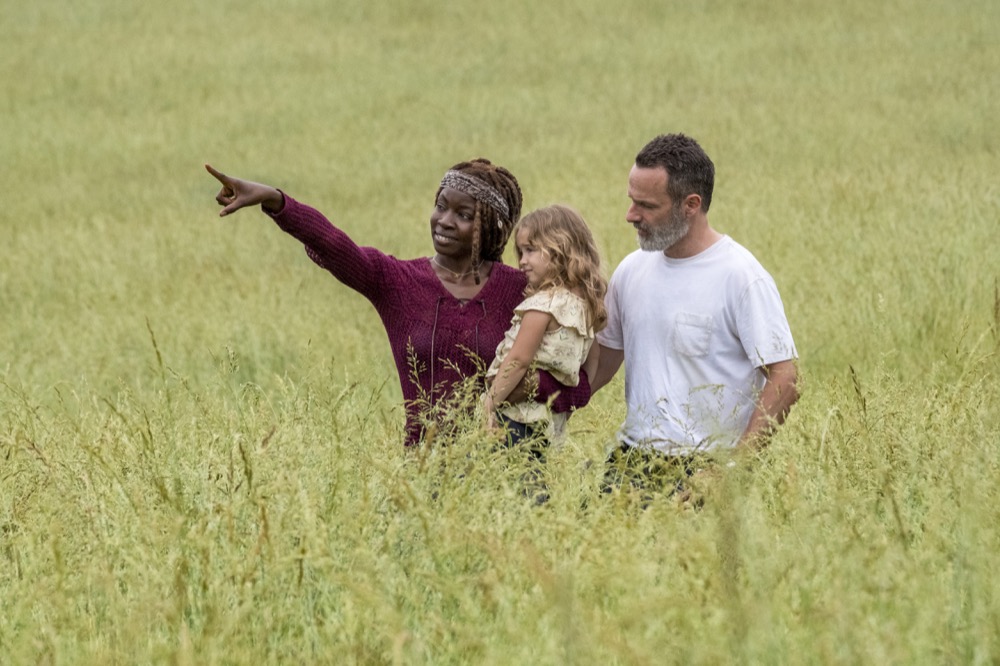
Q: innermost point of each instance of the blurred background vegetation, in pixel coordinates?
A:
(199, 429)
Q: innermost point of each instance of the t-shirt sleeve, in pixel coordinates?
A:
(763, 326)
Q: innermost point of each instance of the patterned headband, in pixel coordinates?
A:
(482, 192)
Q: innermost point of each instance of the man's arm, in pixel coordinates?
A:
(780, 392)
(609, 362)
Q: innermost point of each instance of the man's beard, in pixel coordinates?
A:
(662, 237)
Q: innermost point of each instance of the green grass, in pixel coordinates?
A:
(200, 431)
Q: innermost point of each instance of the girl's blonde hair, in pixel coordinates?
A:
(563, 236)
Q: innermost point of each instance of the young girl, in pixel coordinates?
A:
(553, 328)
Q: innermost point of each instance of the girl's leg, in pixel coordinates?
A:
(526, 435)
(531, 439)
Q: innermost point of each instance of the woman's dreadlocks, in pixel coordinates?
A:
(491, 229)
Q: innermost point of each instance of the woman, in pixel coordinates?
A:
(444, 314)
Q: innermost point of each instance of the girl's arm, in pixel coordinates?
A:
(515, 364)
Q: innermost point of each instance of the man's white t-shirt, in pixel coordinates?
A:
(694, 331)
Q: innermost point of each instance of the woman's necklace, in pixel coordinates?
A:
(457, 276)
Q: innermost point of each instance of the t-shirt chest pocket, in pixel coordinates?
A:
(692, 333)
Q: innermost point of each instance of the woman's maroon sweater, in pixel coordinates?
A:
(436, 340)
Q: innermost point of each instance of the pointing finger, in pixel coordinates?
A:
(221, 177)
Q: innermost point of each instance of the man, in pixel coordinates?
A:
(709, 357)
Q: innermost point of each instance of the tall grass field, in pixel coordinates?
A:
(200, 430)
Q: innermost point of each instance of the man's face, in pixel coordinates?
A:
(659, 222)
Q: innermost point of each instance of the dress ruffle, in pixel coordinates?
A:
(566, 307)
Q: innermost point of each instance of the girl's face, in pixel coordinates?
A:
(534, 263)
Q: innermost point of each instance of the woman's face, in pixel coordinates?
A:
(452, 223)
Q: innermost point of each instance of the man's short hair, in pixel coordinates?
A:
(689, 169)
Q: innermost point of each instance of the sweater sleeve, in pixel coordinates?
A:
(360, 268)
(568, 398)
